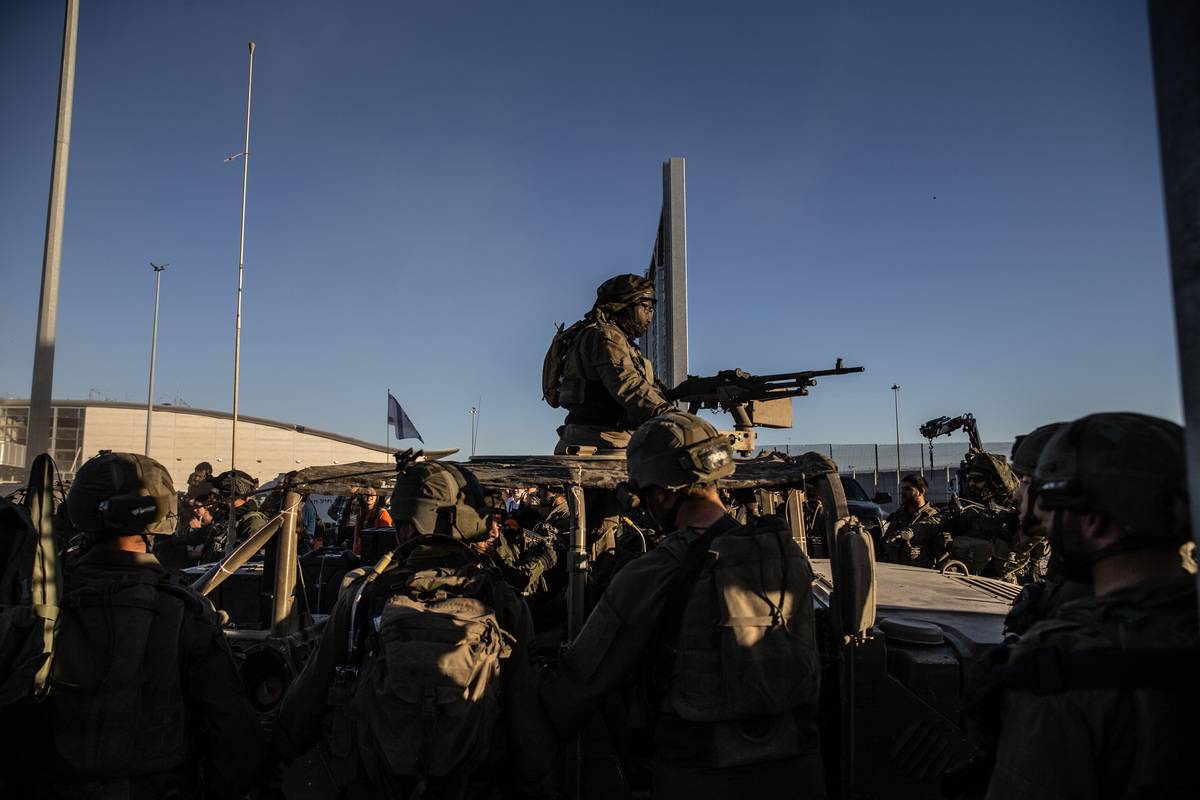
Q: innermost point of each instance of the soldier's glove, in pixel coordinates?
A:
(899, 536)
(541, 554)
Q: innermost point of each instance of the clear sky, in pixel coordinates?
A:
(963, 197)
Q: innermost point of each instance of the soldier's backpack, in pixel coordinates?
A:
(555, 361)
(736, 638)
(428, 699)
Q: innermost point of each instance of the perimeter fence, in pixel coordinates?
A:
(873, 466)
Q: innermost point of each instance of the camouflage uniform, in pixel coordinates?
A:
(982, 529)
(1099, 700)
(524, 751)
(207, 736)
(701, 748)
(145, 699)
(915, 537)
(608, 386)
(1090, 743)
(524, 560)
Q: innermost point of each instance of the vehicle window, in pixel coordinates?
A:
(853, 489)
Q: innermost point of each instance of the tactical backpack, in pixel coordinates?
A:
(737, 638)
(554, 364)
(428, 699)
(117, 677)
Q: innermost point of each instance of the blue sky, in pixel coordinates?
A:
(963, 197)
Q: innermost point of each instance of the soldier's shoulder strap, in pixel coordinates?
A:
(1047, 670)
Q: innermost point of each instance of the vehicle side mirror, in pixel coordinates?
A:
(882, 498)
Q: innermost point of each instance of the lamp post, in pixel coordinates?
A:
(896, 396)
(237, 326)
(158, 271)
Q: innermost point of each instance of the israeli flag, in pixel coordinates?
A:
(400, 421)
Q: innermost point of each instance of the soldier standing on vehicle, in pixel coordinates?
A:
(722, 616)
(423, 679)
(914, 533)
(1101, 700)
(596, 371)
(145, 698)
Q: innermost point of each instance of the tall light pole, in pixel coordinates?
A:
(896, 395)
(237, 329)
(41, 391)
(158, 271)
(474, 412)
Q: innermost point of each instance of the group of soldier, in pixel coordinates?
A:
(982, 530)
(425, 684)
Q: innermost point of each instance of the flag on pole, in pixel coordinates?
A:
(400, 421)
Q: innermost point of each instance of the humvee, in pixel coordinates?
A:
(893, 639)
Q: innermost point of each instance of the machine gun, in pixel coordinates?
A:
(763, 401)
(944, 426)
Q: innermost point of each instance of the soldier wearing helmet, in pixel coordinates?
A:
(1100, 700)
(721, 614)
(446, 535)
(1040, 599)
(145, 698)
(607, 385)
(982, 521)
(238, 487)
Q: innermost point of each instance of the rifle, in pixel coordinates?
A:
(753, 400)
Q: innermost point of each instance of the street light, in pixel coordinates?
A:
(896, 395)
(158, 271)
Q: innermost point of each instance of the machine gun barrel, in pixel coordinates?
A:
(735, 385)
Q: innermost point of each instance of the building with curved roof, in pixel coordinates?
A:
(181, 437)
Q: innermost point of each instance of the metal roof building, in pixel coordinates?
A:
(181, 437)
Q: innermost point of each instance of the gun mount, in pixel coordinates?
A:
(762, 401)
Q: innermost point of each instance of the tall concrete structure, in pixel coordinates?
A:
(666, 341)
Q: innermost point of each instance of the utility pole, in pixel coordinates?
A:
(237, 331)
(896, 395)
(1175, 49)
(41, 393)
(158, 271)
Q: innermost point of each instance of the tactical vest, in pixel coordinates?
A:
(581, 391)
(116, 695)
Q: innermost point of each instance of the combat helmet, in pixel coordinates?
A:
(123, 494)
(443, 498)
(1129, 467)
(994, 468)
(1028, 448)
(234, 482)
(677, 450)
(623, 290)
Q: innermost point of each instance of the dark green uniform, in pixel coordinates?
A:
(528, 761)
(145, 698)
(523, 559)
(608, 388)
(981, 536)
(915, 537)
(1062, 743)
(621, 635)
